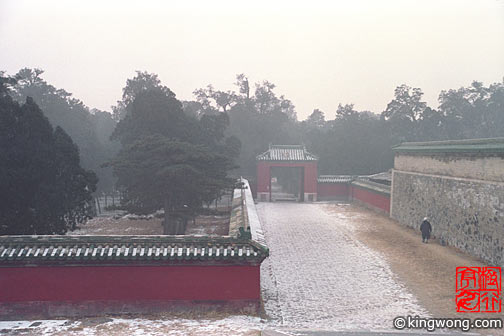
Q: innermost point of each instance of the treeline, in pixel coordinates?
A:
(352, 142)
(177, 155)
(43, 188)
(90, 129)
(347, 141)
(160, 156)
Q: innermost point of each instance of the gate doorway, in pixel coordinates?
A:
(288, 173)
(287, 184)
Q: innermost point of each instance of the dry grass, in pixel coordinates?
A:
(204, 225)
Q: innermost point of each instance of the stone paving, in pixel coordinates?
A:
(319, 276)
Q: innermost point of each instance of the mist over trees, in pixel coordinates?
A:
(257, 116)
(43, 188)
(352, 142)
(178, 155)
(90, 130)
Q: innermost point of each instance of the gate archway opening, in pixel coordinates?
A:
(287, 184)
(287, 173)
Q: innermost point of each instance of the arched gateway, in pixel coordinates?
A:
(287, 172)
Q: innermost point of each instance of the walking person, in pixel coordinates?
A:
(426, 229)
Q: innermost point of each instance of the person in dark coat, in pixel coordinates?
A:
(426, 229)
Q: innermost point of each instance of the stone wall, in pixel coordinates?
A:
(475, 166)
(465, 213)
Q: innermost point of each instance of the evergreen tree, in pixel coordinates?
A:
(73, 116)
(42, 186)
(170, 159)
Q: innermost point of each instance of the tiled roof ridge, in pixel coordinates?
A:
(381, 188)
(288, 146)
(335, 178)
(287, 153)
(75, 250)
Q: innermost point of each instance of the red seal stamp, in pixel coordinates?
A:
(478, 289)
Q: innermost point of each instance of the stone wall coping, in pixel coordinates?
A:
(252, 217)
(488, 145)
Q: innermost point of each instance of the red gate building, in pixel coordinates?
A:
(287, 156)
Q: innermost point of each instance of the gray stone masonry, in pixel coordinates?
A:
(464, 213)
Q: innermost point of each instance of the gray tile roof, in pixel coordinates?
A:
(385, 176)
(286, 153)
(334, 178)
(373, 186)
(127, 249)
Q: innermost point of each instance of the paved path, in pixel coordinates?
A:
(319, 276)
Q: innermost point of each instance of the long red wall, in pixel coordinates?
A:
(333, 190)
(372, 198)
(353, 192)
(79, 283)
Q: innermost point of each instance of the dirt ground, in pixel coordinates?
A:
(121, 226)
(428, 270)
(204, 225)
(209, 225)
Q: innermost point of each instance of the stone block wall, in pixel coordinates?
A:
(466, 165)
(465, 213)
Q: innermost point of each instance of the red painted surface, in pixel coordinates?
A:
(80, 283)
(264, 174)
(374, 199)
(337, 190)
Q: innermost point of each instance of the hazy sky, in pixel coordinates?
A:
(318, 53)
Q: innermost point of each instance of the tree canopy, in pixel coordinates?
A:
(353, 142)
(90, 131)
(43, 188)
(170, 159)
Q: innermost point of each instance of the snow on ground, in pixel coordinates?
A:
(233, 325)
(320, 276)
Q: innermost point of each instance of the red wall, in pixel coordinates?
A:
(78, 283)
(374, 199)
(369, 197)
(264, 175)
(333, 190)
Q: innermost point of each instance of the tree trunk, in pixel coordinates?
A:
(167, 223)
(184, 226)
(98, 205)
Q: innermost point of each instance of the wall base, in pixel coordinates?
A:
(370, 207)
(263, 197)
(45, 310)
(310, 197)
